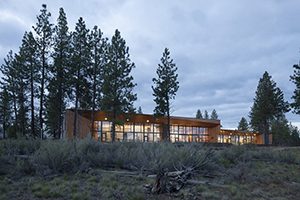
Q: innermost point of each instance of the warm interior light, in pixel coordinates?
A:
(105, 118)
(147, 120)
(127, 120)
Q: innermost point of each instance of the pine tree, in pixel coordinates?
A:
(43, 30)
(164, 89)
(295, 136)
(280, 131)
(206, 115)
(59, 82)
(243, 125)
(5, 111)
(99, 60)
(117, 87)
(21, 78)
(8, 81)
(268, 105)
(199, 114)
(29, 55)
(295, 78)
(214, 115)
(81, 57)
(140, 110)
(14, 79)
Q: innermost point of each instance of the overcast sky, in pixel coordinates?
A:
(221, 48)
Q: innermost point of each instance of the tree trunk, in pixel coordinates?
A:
(94, 95)
(76, 111)
(168, 121)
(61, 100)
(113, 127)
(32, 102)
(266, 134)
(42, 90)
(4, 129)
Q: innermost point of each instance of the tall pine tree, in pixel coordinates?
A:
(8, 80)
(199, 114)
(117, 87)
(59, 82)
(29, 54)
(14, 79)
(206, 115)
(99, 60)
(164, 90)
(81, 58)
(295, 78)
(214, 115)
(43, 30)
(268, 105)
(5, 111)
(243, 125)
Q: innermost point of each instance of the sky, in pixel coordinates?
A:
(221, 48)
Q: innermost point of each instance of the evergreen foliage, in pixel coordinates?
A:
(43, 30)
(140, 110)
(81, 62)
(59, 83)
(5, 111)
(9, 83)
(199, 114)
(28, 53)
(99, 60)
(164, 89)
(280, 130)
(206, 115)
(243, 125)
(214, 115)
(295, 78)
(117, 88)
(268, 106)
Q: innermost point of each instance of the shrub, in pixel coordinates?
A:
(57, 156)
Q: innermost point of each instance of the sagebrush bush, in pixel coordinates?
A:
(19, 147)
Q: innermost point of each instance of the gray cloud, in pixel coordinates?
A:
(221, 48)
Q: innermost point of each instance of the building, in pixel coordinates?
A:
(147, 128)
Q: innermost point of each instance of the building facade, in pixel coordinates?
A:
(147, 128)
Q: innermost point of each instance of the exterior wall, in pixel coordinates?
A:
(83, 125)
(260, 139)
(213, 134)
(141, 127)
(147, 128)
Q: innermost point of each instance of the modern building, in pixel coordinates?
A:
(147, 128)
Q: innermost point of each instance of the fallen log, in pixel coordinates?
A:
(168, 182)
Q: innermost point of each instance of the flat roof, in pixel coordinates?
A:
(148, 118)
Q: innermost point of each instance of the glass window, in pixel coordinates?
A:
(181, 130)
(139, 137)
(139, 128)
(150, 137)
(156, 137)
(148, 128)
(174, 129)
(119, 128)
(156, 128)
(106, 126)
(183, 138)
(128, 136)
(128, 127)
(119, 136)
(188, 130)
